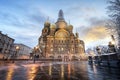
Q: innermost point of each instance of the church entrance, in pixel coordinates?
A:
(66, 58)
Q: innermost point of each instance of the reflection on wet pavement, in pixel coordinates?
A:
(57, 71)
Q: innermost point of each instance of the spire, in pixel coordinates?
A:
(77, 35)
(60, 15)
(69, 22)
(48, 18)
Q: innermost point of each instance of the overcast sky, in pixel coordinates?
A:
(23, 20)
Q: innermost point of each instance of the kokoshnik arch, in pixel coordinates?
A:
(59, 41)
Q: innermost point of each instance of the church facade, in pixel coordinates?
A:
(58, 40)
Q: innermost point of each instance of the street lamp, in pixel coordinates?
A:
(6, 54)
(98, 49)
(35, 51)
(112, 48)
(17, 49)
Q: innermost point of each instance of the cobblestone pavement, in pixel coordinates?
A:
(57, 71)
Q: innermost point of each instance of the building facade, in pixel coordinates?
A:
(59, 41)
(6, 43)
(22, 52)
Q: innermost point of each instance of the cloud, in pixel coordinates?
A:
(96, 21)
(25, 28)
(96, 33)
(79, 11)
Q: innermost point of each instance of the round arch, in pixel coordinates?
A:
(62, 34)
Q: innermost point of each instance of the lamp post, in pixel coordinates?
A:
(112, 47)
(6, 54)
(99, 55)
(35, 51)
(17, 50)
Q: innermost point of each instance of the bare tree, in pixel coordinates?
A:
(114, 13)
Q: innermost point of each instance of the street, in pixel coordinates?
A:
(57, 71)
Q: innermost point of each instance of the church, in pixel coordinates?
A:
(58, 40)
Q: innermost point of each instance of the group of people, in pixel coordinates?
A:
(36, 56)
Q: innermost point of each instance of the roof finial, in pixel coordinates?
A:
(77, 35)
(60, 15)
(69, 22)
(76, 30)
(48, 18)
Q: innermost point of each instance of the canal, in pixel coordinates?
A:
(57, 71)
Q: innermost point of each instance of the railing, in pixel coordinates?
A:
(30, 59)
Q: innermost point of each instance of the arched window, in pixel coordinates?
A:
(51, 41)
(72, 41)
(45, 30)
(59, 56)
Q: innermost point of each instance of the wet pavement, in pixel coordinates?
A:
(57, 71)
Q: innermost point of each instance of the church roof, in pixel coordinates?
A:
(60, 15)
(52, 26)
(47, 24)
(70, 26)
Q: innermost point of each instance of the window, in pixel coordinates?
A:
(51, 49)
(45, 30)
(51, 41)
(72, 41)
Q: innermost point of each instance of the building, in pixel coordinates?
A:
(59, 41)
(21, 51)
(5, 45)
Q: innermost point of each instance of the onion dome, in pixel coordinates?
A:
(52, 26)
(77, 34)
(70, 27)
(47, 24)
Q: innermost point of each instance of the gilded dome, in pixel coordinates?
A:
(70, 26)
(52, 26)
(47, 24)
